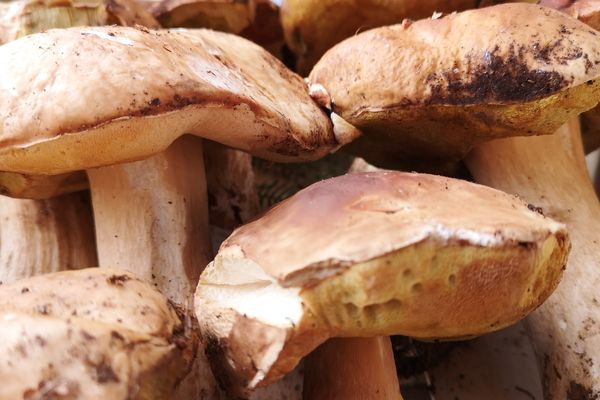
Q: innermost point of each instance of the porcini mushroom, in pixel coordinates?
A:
(90, 334)
(224, 15)
(328, 369)
(24, 17)
(218, 91)
(312, 27)
(424, 93)
(550, 172)
(438, 87)
(50, 232)
(389, 253)
(43, 236)
(587, 11)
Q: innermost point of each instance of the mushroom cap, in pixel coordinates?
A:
(100, 96)
(223, 15)
(24, 17)
(89, 334)
(311, 27)
(20, 18)
(587, 11)
(372, 254)
(425, 93)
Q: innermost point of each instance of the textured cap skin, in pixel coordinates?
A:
(587, 11)
(311, 27)
(372, 254)
(89, 334)
(68, 111)
(20, 18)
(425, 93)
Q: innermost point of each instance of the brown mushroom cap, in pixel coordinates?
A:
(66, 113)
(20, 18)
(223, 15)
(312, 27)
(89, 334)
(587, 11)
(373, 254)
(425, 93)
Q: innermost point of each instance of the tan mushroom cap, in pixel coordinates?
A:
(373, 254)
(89, 334)
(587, 11)
(99, 96)
(20, 18)
(24, 17)
(311, 27)
(425, 93)
(224, 15)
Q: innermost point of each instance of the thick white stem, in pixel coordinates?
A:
(352, 369)
(497, 366)
(152, 219)
(546, 172)
(43, 236)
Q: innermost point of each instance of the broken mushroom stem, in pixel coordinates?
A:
(352, 368)
(152, 218)
(546, 172)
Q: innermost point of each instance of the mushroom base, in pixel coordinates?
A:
(550, 172)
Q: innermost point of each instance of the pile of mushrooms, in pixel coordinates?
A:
(126, 153)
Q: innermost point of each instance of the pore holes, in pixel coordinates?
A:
(351, 309)
(452, 280)
(417, 288)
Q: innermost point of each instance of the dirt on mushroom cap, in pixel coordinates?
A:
(223, 87)
(92, 333)
(427, 92)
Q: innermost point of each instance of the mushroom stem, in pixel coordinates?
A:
(43, 236)
(550, 173)
(352, 369)
(152, 218)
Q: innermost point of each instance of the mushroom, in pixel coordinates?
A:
(50, 232)
(42, 236)
(224, 15)
(24, 17)
(379, 381)
(368, 255)
(449, 85)
(587, 11)
(501, 365)
(218, 91)
(550, 172)
(232, 196)
(312, 27)
(90, 334)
